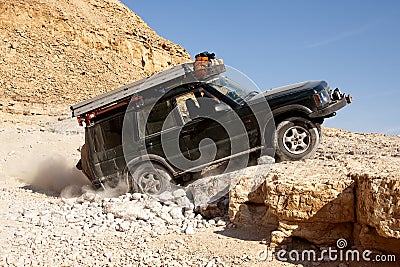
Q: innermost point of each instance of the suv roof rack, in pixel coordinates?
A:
(168, 79)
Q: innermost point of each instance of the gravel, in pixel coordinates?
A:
(74, 229)
(134, 213)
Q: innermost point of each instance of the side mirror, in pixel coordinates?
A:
(222, 107)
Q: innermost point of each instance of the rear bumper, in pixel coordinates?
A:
(331, 109)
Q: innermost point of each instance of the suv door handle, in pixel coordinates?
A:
(149, 143)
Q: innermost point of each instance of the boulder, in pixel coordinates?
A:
(355, 198)
(299, 201)
(378, 206)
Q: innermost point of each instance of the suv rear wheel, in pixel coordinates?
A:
(296, 138)
(150, 178)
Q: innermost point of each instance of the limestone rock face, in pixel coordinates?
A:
(314, 206)
(379, 203)
(310, 194)
(350, 193)
(56, 53)
(301, 200)
(247, 198)
(378, 206)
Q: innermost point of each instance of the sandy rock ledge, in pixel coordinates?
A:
(321, 201)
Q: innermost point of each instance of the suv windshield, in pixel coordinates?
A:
(231, 89)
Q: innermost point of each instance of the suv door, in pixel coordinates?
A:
(205, 131)
(161, 129)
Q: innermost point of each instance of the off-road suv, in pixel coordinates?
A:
(181, 107)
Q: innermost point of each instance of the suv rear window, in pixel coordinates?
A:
(108, 134)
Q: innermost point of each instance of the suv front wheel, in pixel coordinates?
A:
(296, 138)
(150, 178)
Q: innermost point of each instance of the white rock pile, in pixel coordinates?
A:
(134, 213)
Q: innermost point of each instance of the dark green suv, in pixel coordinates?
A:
(168, 127)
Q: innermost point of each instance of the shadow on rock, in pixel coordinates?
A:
(249, 233)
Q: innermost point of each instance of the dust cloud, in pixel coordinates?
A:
(54, 175)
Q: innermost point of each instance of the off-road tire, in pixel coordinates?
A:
(296, 138)
(149, 178)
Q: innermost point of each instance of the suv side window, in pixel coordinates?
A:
(157, 118)
(196, 103)
(187, 105)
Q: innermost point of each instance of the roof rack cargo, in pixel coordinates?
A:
(167, 79)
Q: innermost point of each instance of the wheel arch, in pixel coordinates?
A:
(288, 111)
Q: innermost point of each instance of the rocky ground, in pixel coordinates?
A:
(81, 227)
(349, 190)
(40, 227)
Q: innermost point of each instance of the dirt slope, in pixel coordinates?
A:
(64, 51)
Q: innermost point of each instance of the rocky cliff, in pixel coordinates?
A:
(350, 190)
(55, 53)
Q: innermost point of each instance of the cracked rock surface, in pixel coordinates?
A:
(349, 190)
(57, 53)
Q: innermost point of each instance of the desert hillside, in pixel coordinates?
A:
(64, 51)
(54, 53)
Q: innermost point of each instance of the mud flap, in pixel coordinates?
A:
(79, 165)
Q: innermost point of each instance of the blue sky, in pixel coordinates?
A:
(354, 45)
